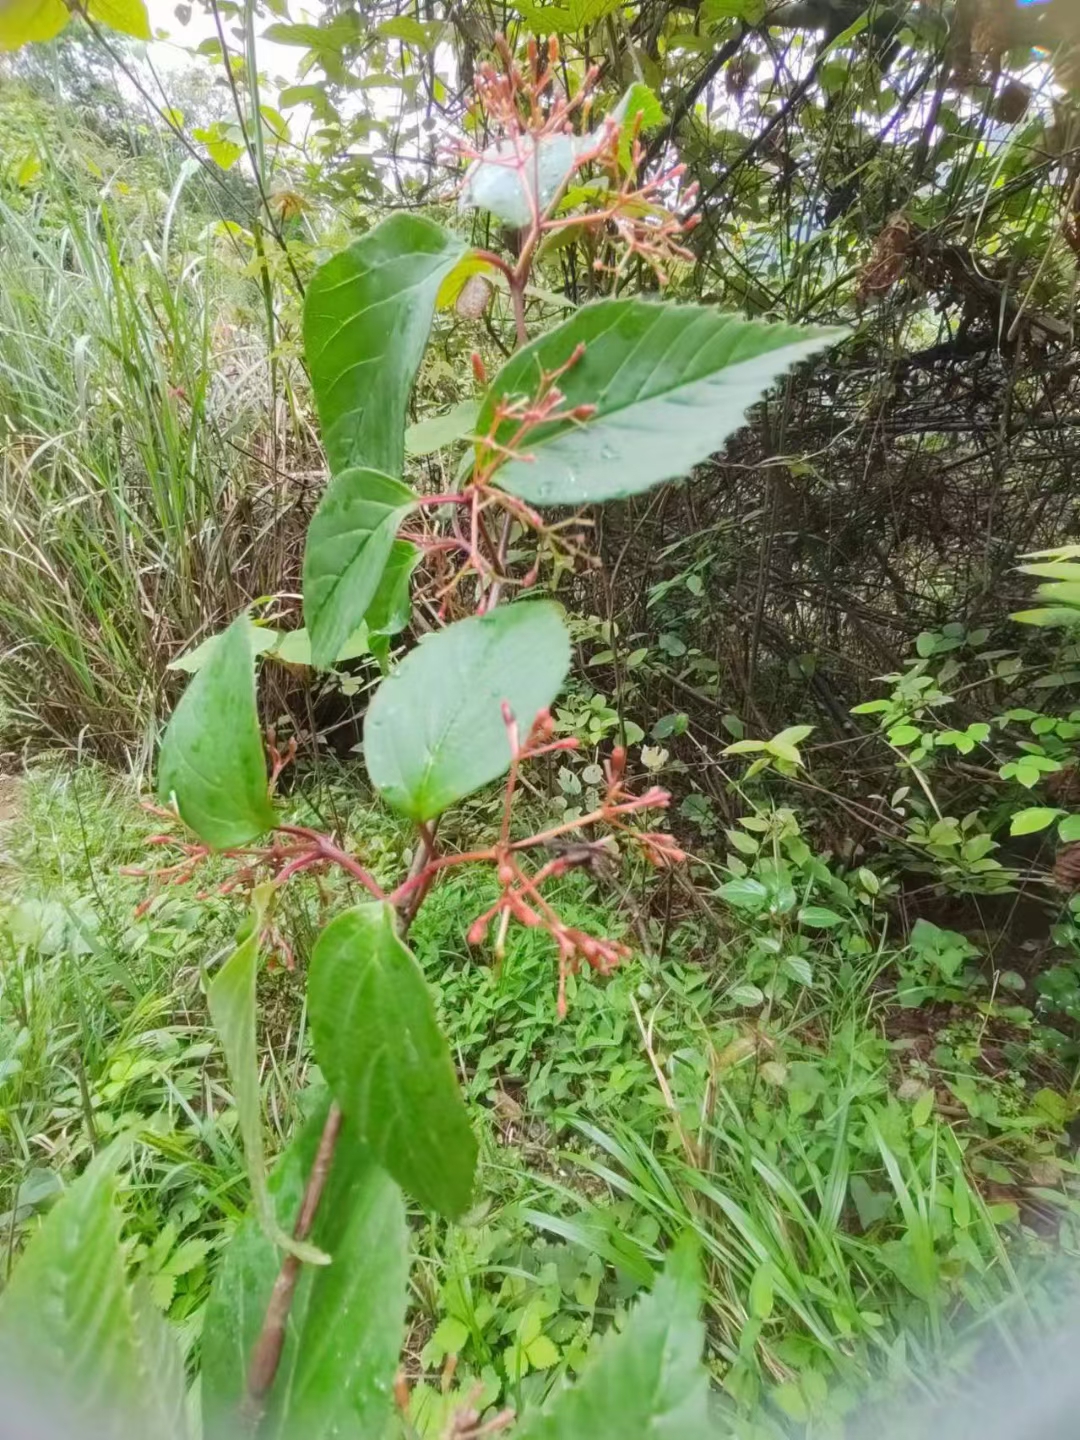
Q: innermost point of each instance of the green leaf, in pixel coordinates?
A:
(568, 19)
(1064, 592)
(389, 611)
(817, 917)
(223, 150)
(744, 747)
(192, 661)
(293, 647)
(367, 314)
(1062, 570)
(379, 1045)
(348, 544)
(514, 179)
(750, 996)
(412, 32)
(1048, 616)
(638, 100)
(646, 1382)
(761, 1291)
(670, 383)
(871, 707)
(799, 968)
(22, 21)
(1033, 819)
(231, 999)
(1069, 829)
(793, 735)
(211, 761)
(542, 1352)
(434, 732)
(127, 16)
(746, 894)
(904, 734)
(439, 431)
(922, 1109)
(78, 1336)
(346, 1324)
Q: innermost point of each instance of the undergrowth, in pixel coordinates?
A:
(876, 1209)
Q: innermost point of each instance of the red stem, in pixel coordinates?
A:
(443, 862)
(266, 1356)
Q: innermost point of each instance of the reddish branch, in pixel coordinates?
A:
(266, 1356)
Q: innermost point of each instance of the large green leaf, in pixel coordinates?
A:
(24, 20)
(212, 762)
(348, 544)
(76, 1337)
(379, 1045)
(231, 998)
(670, 384)
(367, 314)
(434, 732)
(346, 1325)
(127, 16)
(647, 1382)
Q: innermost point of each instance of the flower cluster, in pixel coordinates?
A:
(294, 849)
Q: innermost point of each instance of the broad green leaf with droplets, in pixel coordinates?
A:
(346, 1325)
(517, 179)
(434, 732)
(348, 544)
(231, 998)
(367, 315)
(647, 1381)
(670, 384)
(82, 1343)
(378, 1043)
(22, 21)
(212, 764)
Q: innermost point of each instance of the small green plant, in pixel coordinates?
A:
(304, 1325)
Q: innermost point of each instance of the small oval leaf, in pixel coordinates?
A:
(1032, 820)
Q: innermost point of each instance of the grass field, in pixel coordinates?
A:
(875, 1211)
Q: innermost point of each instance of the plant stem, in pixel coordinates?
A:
(266, 1356)
(517, 299)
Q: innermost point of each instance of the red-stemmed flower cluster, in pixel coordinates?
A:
(294, 849)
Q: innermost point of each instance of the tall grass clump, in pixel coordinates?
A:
(143, 489)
